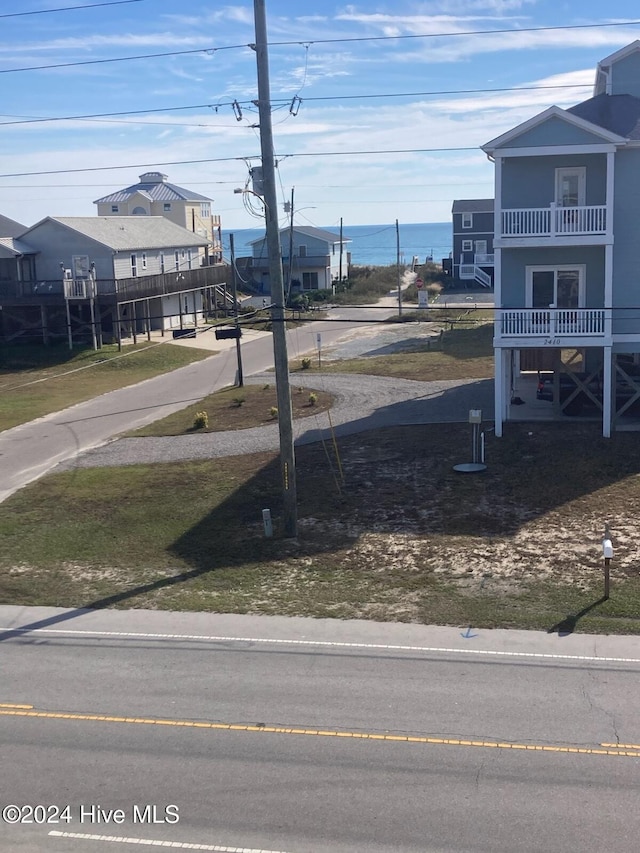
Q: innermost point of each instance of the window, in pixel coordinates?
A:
(189, 258)
(166, 206)
(144, 260)
(205, 209)
(114, 208)
(481, 247)
(467, 220)
(134, 266)
(302, 251)
(161, 261)
(177, 257)
(467, 245)
(309, 280)
(557, 287)
(139, 211)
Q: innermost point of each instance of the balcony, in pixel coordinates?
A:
(552, 326)
(554, 221)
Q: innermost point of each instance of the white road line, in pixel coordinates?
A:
(175, 845)
(331, 644)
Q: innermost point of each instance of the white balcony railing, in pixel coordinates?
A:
(554, 221)
(484, 260)
(551, 322)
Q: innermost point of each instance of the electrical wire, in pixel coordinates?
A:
(308, 42)
(433, 93)
(67, 8)
(244, 158)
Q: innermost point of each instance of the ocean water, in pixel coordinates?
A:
(374, 245)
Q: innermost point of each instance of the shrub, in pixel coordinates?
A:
(313, 399)
(305, 363)
(237, 402)
(273, 411)
(266, 387)
(201, 420)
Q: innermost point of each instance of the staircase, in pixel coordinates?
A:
(471, 271)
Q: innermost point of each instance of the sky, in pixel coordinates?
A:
(378, 109)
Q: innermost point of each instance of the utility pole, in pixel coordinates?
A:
(340, 269)
(234, 293)
(398, 265)
(290, 247)
(283, 389)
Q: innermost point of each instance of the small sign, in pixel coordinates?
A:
(419, 283)
(319, 339)
(423, 299)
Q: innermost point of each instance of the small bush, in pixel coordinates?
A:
(273, 411)
(313, 399)
(266, 387)
(305, 363)
(237, 402)
(201, 420)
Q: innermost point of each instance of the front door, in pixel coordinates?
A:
(570, 186)
(559, 287)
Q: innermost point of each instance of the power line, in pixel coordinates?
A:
(307, 42)
(67, 8)
(279, 102)
(243, 159)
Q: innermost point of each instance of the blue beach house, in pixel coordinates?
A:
(567, 248)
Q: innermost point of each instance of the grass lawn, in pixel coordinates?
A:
(463, 350)
(35, 381)
(239, 408)
(402, 537)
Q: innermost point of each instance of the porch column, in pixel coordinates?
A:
(608, 384)
(611, 159)
(500, 377)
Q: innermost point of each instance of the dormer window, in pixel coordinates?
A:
(166, 206)
(114, 208)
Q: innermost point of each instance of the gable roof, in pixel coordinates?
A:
(473, 205)
(156, 187)
(604, 66)
(552, 112)
(308, 231)
(10, 228)
(127, 233)
(16, 247)
(618, 113)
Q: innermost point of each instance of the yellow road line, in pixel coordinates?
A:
(284, 730)
(621, 745)
(11, 705)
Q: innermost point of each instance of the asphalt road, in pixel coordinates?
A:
(31, 450)
(315, 736)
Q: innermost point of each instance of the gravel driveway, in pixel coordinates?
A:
(361, 403)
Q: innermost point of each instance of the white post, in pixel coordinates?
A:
(499, 384)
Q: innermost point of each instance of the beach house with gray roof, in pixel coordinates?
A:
(567, 190)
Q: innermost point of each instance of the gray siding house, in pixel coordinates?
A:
(566, 248)
(65, 276)
(312, 259)
(472, 257)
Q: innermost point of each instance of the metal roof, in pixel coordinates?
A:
(155, 185)
(126, 233)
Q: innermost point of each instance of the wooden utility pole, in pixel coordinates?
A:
(234, 293)
(398, 265)
(281, 362)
